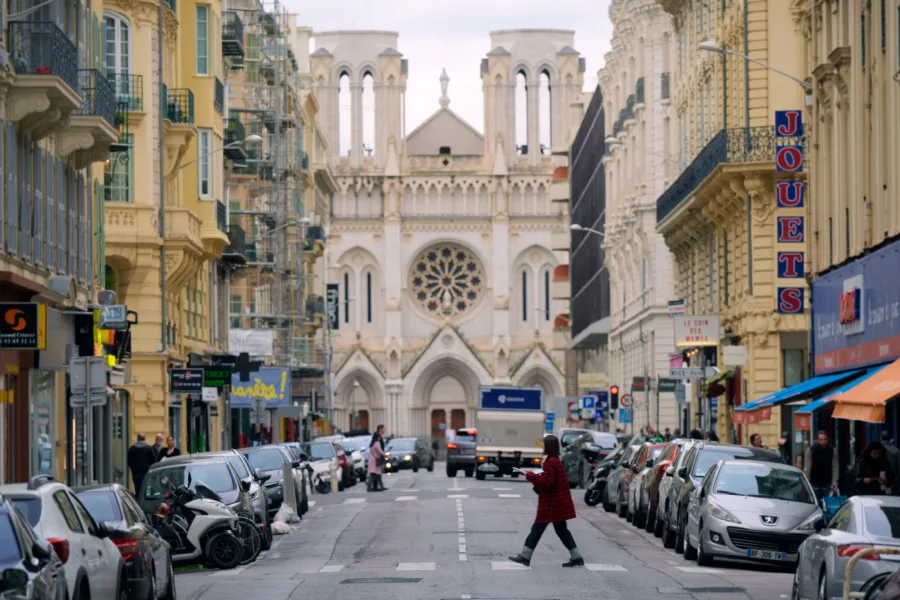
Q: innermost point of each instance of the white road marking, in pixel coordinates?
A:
(456, 489)
(331, 569)
(458, 496)
(619, 568)
(501, 489)
(509, 495)
(274, 556)
(506, 565)
(466, 597)
(462, 548)
(462, 539)
(463, 558)
(426, 566)
(405, 498)
(354, 500)
(311, 503)
(700, 570)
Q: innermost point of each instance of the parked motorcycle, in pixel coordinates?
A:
(601, 465)
(199, 528)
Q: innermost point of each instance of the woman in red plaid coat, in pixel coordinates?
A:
(554, 506)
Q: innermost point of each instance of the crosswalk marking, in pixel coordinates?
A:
(426, 566)
(354, 500)
(509, 495)
(501, 489)
(312, 503)
(458, 496)
(618, 568)
(506, 565)
(700, 570)
(463, 558)
(331, 569)
(462, 548)
(405, 498)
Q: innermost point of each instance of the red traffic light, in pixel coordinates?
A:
(614, 389)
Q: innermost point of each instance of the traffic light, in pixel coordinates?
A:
(614, 397)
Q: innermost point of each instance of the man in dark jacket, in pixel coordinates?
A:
(821, 466)
(140, 457)
(893, 456)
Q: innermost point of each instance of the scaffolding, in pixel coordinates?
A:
(268, 218)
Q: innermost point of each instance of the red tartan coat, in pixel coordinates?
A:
(554, 498)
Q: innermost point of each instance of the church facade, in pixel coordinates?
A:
(440, 238)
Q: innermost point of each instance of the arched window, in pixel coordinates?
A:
(118, 53)
(545, 116)
(524, 295)
(346, 297)
(547, 295)
(368, 115)
(369, 297)
(345, 114)
(521, 113)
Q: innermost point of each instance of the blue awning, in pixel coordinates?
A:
(801, 389)
(817, 404)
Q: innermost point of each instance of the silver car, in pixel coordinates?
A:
(612, 492)
(750, 510)
(861, 522)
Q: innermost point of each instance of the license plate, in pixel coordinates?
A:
(767, 554)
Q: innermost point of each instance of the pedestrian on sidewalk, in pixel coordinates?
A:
(875, 474)
(554, 506)
(821, 466)
(170, 451)
(376, 465)
(140, 457)
(756, 441)
(893, 455)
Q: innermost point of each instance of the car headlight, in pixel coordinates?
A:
(720, 513)
(810, 523)
(407, 457)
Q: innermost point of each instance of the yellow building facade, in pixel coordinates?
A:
(718, 214)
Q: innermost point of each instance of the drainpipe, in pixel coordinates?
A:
(162, 182)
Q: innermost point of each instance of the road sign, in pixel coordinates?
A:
(574, 412)
(625, 401)
(114, 317)
(551, 416)
(602, 405)
(87, 379)
(587, 413)
(667, 384)
(691, 372)
(588, 402)
(624, 415)
(680, 393)
(210, 394)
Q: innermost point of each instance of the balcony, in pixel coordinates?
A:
(260, 257)
(559, 287)
(221, 216)
(247, 167)
(185, 251)
(234, 132)
(560, 240)
(178, 105)
(235, 253)
(45, 90)
(219, 99)
(92, 126)
(178, 125)
(129, 92)
(559, 187)
(740, 146)
(232, 35)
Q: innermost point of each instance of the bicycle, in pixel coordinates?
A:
(249, 536)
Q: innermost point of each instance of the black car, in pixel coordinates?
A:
(29, 568)
(691, 471)
(148, 563)
(215, 472)
(271, 460)
(407, 453)
(461, 452)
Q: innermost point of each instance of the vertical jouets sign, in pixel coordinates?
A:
(790, 201)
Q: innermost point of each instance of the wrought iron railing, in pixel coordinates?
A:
(232, 34)
(739, 145)
(219, 100)
(129, 90)
(315, 305)
(666, 93)
(234, 130)
(221, 215)
(639, 91)
(178, 105)
(42, 48)
(250, 165)
(98, 96)
(238, 242)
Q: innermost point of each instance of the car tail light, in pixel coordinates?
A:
(481, 459)
(343, 461)
(848, 551)
(452, 446)
(662, 468)
(127, 547)
(61, 547)
(536, 461)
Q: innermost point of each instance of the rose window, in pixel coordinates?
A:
(446, 280)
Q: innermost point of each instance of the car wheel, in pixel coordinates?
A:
(451, 472)
(607, 505)
(679, 536)
(621, 509)
(795, 587)
(690, 553)
(650, 520)
(640, 519)
(822, 592)
(415, 466)
(658, 524)
(470, 472)
(703, 559)
(668, 536)
(431, 466)
(170, 583)
(341, 486)
(479, 475)
(151, 592)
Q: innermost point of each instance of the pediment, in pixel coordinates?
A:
(447, 341)
(538, 356)
(354, 360)
(444, 128)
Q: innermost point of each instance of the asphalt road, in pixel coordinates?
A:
(434, 538)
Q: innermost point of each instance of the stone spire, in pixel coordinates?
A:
(445, 80)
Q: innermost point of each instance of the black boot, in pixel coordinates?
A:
(518, 558)
(574, 562)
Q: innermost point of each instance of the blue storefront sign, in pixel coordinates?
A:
(511, 398)
(856, 313)
(273, 384)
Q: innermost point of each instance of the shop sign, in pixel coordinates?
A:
(790, 219)
(667, 385)
(216, 377)
(802, 421)
(23, 326)
(272, 384)
(332, 304)
(676, 308)
(696, 331)
(856, 312)
(186, 381)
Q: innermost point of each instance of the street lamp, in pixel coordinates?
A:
(577, 227)
(303, 221)
(250, 139)
(711, 46)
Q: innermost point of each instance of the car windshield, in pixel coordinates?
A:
(238, 465)
(348, 445)
(466, 436)
(215, 476)
(30, 508)
(400, 446)
(102, 505)
(265, 460)
(606, 441)
(10, 553)
(318, 451)
(707, 458)
(655, 452)
(762, 481)
(883, 521)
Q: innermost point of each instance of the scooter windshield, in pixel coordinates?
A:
(204, 491)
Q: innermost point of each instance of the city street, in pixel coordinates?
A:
(433, 538)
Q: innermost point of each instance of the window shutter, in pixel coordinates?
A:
(100, 217)
(81, 209)
(60, 218)
(12, 191)
(99, 51)
(25, 190)
(38, 206)
(4, 197)
(71, 200)
(50, 234)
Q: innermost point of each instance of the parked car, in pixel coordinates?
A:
(148, 563)
(639, 488)
(358, 465)
(270, 460)
(861, 522)
(670, 474)
(214, 471)
(321, 457)
(656, 482)
(614, 479)
(93, 564)
(407, 453)
(751, 511)
(628, 475)
(461, 452)
(578, 469)
(30, 569)
(702, 457)
(567, 436)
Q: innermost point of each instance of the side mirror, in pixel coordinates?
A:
(670, 471)
(819, 524)
(262, 478)
(682, 472)
(295, 464)
(649, 462)
(13, 579)
(42, 550)
(245, 485)
(303, 457)
(635, 469)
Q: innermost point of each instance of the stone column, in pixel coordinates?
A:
(498, 267)
(356, 112)
(532, 92)
(394, 276)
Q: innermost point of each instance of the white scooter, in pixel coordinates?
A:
(199, 528)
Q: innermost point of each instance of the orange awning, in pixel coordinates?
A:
(866, 401)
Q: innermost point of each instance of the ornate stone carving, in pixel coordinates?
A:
(762, 200)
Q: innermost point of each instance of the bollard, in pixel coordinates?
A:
(332, 470)
(290, 492)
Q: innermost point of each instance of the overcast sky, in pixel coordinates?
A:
(455, 35)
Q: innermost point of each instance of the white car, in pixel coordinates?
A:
(92, 563)
(359, 463)
(321, 456)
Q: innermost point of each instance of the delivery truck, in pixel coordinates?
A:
(510, 425)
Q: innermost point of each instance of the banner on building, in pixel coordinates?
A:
(255, 342)
(272, 384)
(696, 331)
(790, 201)
(332, 306)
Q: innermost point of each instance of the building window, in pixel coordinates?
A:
(203, 162)
(119, 172)
(546, 295)
(202, 40)
(368, 297)
(644, 283)
(524, 296)
(346, 297)
(235, 310)
(118, 52)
